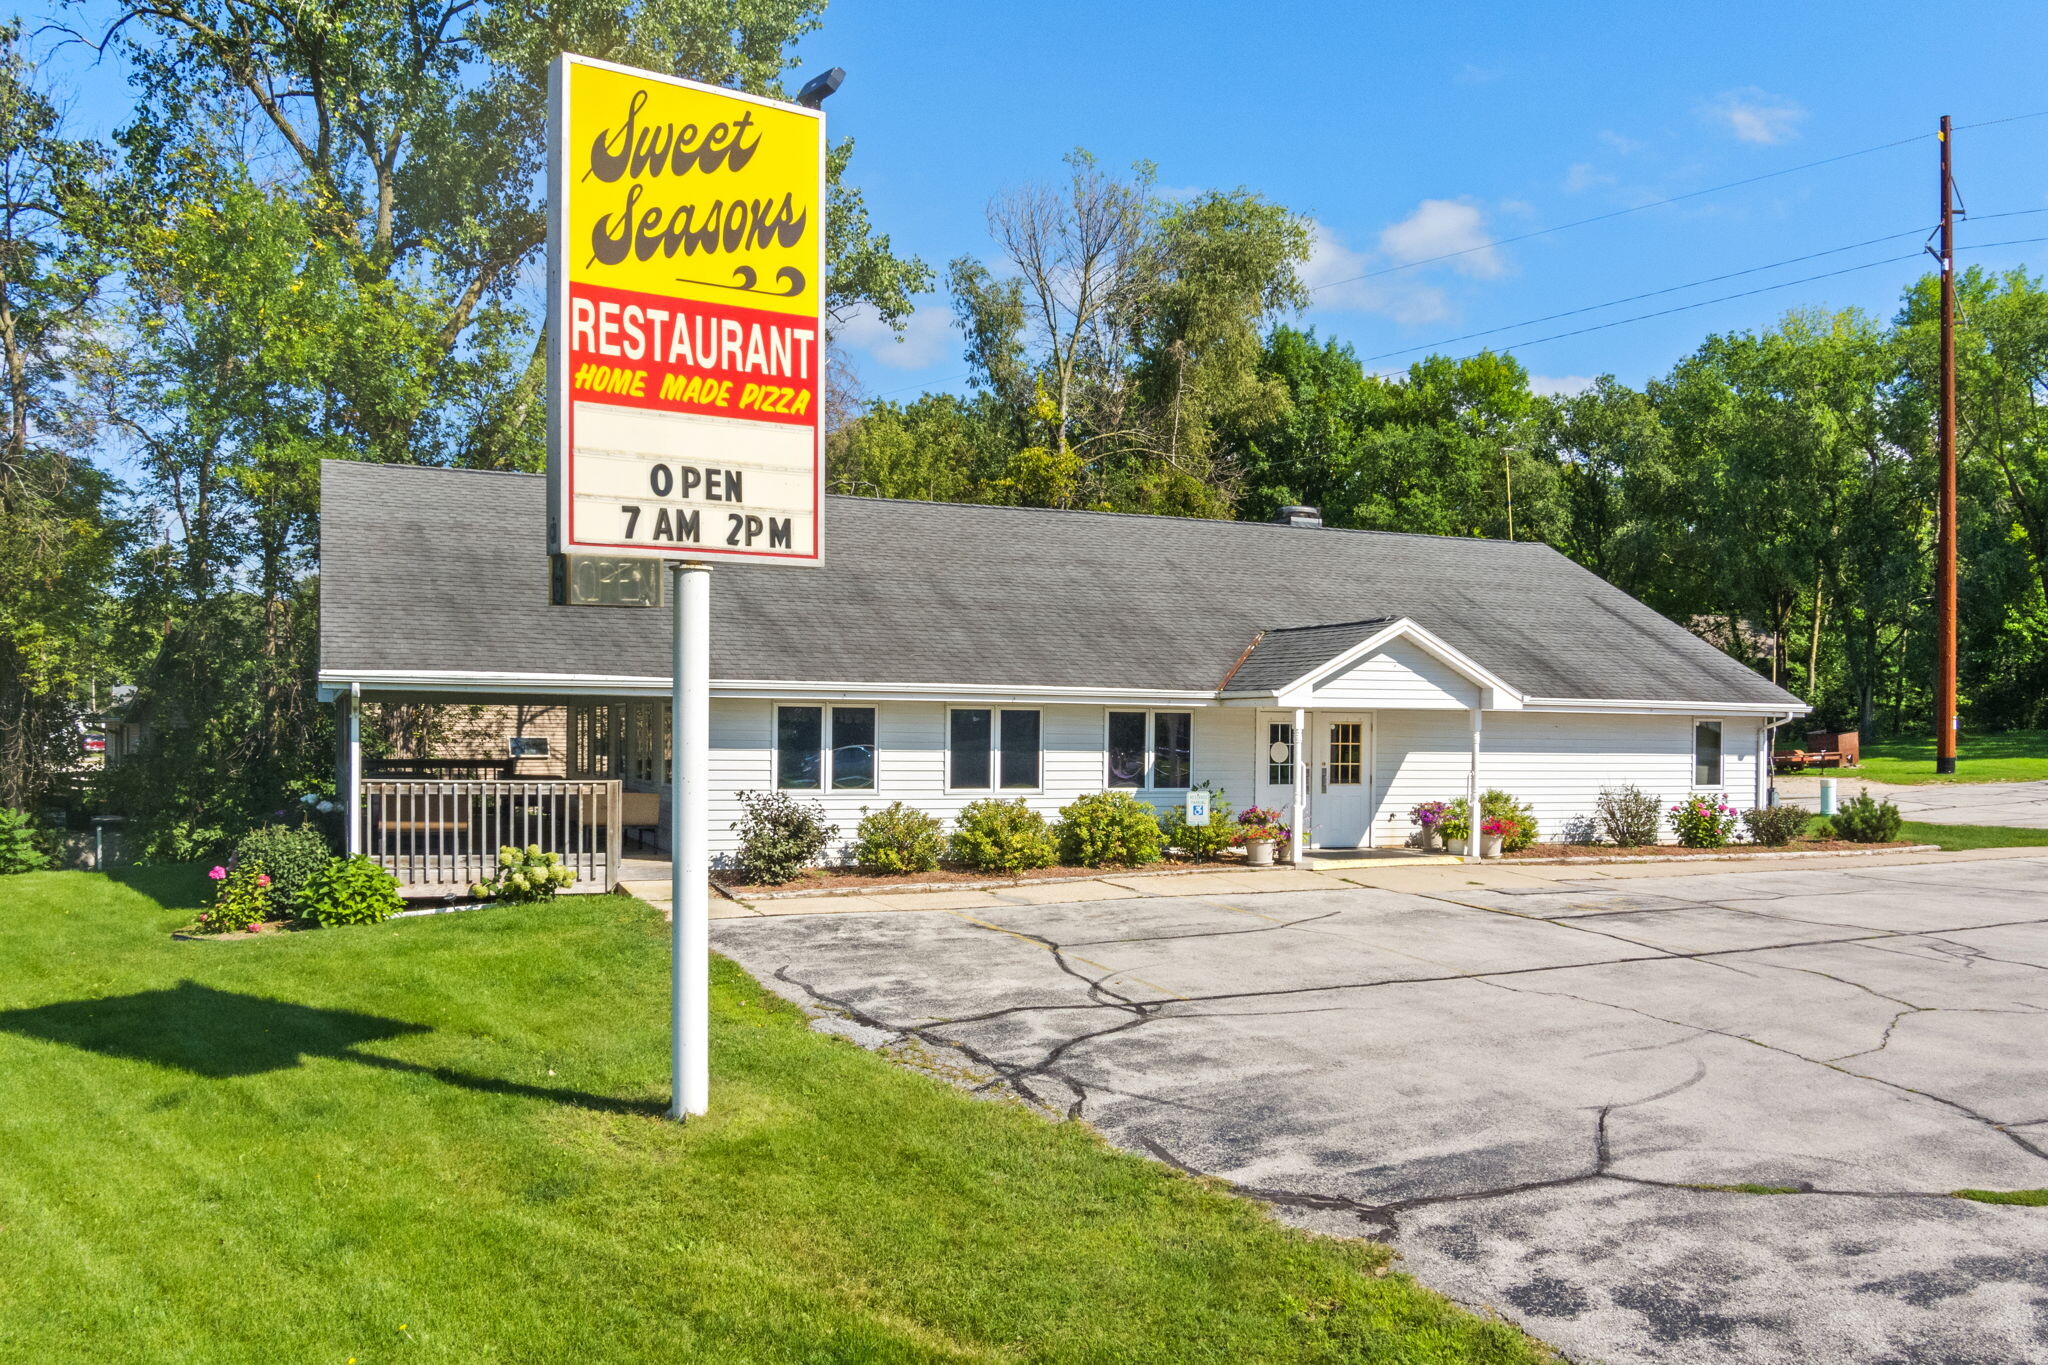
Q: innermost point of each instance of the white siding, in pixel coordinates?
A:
(1556, 762)
(1399, 676)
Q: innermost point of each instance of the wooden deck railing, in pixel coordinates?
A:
(444, 835)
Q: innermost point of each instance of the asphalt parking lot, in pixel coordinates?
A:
(1526, 1089)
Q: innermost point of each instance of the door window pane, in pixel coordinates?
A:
(1172, 749)
(1706, 753)
(1280, 771)
(799, 735)
(853, 747)
(1020, 749)
(970, 749)
(1127, 748)
(1347, 753)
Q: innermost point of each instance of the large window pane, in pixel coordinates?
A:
(970, 750)
(1020, 749)
(799, 735)
(1172, 748)
(1127, 748)
(1280, 740)
(853, 746)
(1706, 753)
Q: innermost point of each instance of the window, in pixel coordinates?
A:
(1706, 753)
(1280, 741)
(1153, 750)
(593, 742)
(808, 755)
(988, 748)
(1347, 753)
(647, 747)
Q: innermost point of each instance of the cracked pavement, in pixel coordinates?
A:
(1524, 1089)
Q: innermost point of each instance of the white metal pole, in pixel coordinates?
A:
(689, 842)
(1475, 842)
(353, 841)
(1300, 787)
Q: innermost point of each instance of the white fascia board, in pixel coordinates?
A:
(1499, 696)
(604, 685)
(1607, 706)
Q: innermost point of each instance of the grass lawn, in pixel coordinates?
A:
(2017, 756)
(438, 1140)
(1973, 836)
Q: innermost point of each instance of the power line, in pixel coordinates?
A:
(1660, 203)
(1622, 213)
(1679, 288)
(1635, 298)
(1750, 293)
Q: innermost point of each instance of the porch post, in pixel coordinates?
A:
(353, 841)
(1475, 842)
(1300, 786)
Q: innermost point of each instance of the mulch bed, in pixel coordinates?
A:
(1598, 852)
(853, 879)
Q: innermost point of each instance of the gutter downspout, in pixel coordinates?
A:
(354, 841)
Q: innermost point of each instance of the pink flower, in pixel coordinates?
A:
(218, 873)
(262, 879)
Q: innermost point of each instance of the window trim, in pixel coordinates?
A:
(825, 732)
(995, 787)
(1151, 715)
(1720, 783)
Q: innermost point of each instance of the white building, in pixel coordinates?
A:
(946, 653)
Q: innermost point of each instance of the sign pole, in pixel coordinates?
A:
(689, 841)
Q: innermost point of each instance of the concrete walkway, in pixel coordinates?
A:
(2018, 805)
(1419, 876)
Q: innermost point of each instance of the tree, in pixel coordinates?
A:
(57, 541)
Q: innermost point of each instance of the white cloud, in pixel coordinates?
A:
(1754, 115)
(1442, 227)
(1621, 143)
(1333, 275)
(928, 338)
(1560, 385)
(1584, 176)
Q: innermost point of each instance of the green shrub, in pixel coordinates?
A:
(21, 849)
(291, 855)
(1626, 816)
(1199, 842)
(1776, 826)
(991, 835)
(1456, 821)
(1863, 819)
(1703, 821)
(525, 875)
(780, 837)
(1108, 829)
(241, 898)
(898, 838)
(350, 891)
(1495, 804)
(1822, 830)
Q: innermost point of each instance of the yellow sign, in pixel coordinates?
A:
(692, 192)
(686, 277)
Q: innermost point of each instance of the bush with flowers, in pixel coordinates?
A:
(525, 875)
(1704, 821)
(241, 898)
(1260, 822)
(1501, 827)
(1429, 818)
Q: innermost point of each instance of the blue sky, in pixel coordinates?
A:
(1405, 131)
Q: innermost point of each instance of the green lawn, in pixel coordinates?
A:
(2016, 756)
(1973, 836)
(439, 1140)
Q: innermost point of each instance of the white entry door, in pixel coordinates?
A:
(1340, 803)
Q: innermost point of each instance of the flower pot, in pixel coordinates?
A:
(1490, 844)
(1429, 840)
(1258, 852)
(1455, 845)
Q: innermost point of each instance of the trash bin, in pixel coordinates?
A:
(1827, 796)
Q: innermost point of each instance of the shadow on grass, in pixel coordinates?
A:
(221, 1034)
(174, 886)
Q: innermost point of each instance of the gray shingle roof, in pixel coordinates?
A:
(1284, 656)
(440, 570)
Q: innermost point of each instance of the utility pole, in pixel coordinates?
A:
(1945, 435)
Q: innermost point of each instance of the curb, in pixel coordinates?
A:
(1093, 875)
(1717, 857)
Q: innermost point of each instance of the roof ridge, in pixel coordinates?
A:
(1334, 625)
